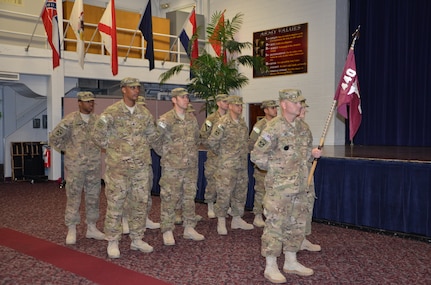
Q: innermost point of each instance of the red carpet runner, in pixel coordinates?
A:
(87, 266)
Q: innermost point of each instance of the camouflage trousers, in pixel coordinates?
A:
(126, 186)
(77, 182)
(177, 186)
(259, 190)
(232, 187)
(285, 222)
(311, 196)
(126, 210)
(210, 189)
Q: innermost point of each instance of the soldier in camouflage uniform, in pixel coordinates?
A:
(82, 162)
(178, 209)
(311, 195)
(210, 164)
(270, 109)
(179, 161)
(284, 149)
(229, 141)
(149, 224)
(127, 131)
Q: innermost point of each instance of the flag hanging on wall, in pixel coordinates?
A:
(77, 23)
(50, 22)
(108, 31)
(189, 29)
(146, 28)
(215, 39)
(347, 94)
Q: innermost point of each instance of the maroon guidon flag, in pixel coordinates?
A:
(347, 94)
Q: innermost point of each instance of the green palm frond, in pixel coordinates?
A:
(211, 74)
(165, 76)
(233, 26)
(236, 47)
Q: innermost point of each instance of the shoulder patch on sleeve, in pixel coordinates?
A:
(60, 132)
(101, 122)
(161, 124)
(103, 119)
(264, 140)
(208, 125)
(219, 131)
(256, 130)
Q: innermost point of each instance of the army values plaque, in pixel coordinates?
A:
(283, 49)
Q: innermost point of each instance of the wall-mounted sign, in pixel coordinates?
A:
(284, 50)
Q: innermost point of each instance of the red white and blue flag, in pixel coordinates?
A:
(108, 31)
(50, 22)
(189, 29)
(347, 94)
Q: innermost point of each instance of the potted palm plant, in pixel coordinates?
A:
(219, 74)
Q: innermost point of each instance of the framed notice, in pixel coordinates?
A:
(284, 50)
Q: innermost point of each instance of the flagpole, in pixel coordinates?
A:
(133, 38)
(34, 30)
(91, 40)
(65, 31)
(167, 54)
(355, 36)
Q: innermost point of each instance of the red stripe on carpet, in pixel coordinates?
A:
(90, 267)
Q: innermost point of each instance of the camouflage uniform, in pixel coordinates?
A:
(127, 139)
(228, 140)
(82, 162)
(283, 150)
(311, 196)
(179, 162)
(126, 212)
(210, 166)
(258, 174)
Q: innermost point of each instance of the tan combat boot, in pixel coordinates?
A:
(291, 265)
(272, 273)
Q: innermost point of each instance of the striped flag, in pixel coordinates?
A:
(108, 31)
(77, 23)
(189, 29)
(50, 22)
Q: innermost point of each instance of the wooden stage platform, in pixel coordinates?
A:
(394, 153)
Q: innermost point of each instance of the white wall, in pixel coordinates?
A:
(324, 31)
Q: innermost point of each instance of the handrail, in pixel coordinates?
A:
(176, 53)
(9, 12)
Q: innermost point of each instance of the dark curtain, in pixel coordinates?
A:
(380, 194)
(394, 70)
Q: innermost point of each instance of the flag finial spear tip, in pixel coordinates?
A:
(356, 32)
